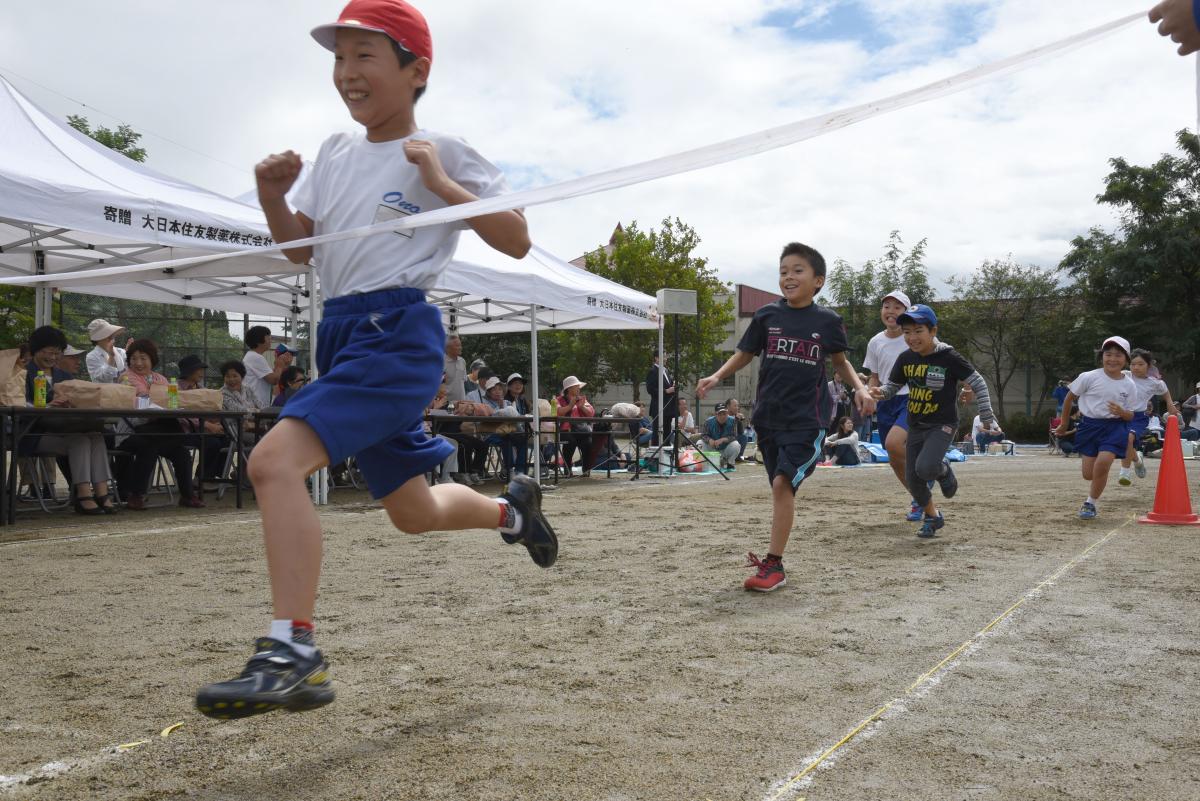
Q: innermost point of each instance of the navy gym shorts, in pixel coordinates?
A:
(793, 454)
(380, 356)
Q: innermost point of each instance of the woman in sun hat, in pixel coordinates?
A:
(576, 436)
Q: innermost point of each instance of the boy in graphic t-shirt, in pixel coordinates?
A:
(794, 337)
(932, 371)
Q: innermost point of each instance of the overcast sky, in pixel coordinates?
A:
(551, 90)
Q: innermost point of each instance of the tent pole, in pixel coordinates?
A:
(320, 485)
(537, 394)
(661, 365)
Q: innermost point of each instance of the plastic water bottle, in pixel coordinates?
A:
(40, 385)
(172, 394)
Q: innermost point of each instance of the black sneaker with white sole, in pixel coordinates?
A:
(276, 677)
(947, 481)
(536, 535)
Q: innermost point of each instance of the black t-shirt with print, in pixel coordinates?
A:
(932, 384)
(793, 344)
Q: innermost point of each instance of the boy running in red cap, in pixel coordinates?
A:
(381, 345)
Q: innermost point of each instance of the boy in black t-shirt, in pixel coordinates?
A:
(932, 370)
(793, 405)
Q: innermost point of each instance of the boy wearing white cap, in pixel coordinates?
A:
(105, 362)
(381, 347)
(891, 414)
(1108, 399)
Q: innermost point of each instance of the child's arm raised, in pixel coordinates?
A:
(737, 361)
(274, 176)
(505, 231)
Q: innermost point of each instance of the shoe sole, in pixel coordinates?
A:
(1125, 481)
(221, 708)
(781, 583)
(543, 554)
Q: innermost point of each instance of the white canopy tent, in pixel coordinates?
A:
(79, 217)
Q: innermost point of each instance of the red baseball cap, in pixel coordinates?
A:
(394, 18)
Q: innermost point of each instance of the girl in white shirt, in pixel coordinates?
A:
(1147, 388)
(1108, 399)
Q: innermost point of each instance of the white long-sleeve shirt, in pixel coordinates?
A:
(100, 371)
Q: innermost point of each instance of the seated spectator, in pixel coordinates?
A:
(472, 382)
(105, 361)
(1066, 440)
(291, 381)
(191, 376)
(841, 447)
(576, 436)
(985, 436)
(69, 361)
(687, 423)
(1190, 406)
(720, 434)
(479, 394)
(235, 397)
(643, 430)
(511, 444)
(735, 413)
(151, 438)
(86, 452)
(439, 406)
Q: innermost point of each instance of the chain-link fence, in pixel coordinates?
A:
(178, 331)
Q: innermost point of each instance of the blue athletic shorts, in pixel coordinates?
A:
(793, 454)
(891, 412)
(380, 356)
(1095, 435)
(1137, 426)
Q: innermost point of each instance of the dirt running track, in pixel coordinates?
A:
(637, 668)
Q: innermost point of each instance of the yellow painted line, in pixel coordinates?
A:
(927, 675)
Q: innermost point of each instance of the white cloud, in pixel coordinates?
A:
(1011, 166)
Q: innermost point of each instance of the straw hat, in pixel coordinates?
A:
(572, 381)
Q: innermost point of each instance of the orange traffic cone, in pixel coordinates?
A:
(1172, 503)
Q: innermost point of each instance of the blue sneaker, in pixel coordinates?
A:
(1087, 511)
(931, 525)
(914, 514)
(947, 481)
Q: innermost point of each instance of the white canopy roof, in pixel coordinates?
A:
(70, 205)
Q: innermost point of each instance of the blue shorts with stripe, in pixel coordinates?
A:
(1137, 426)
(792, 454)
(380, 356)
(1101, 434)
(891, 412)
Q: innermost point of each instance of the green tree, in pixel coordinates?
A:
(857, 291)
(123, 140)
(16, 315)
(999, 316)
(648, 261)
(1142, 280)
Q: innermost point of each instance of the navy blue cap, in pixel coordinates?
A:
(919, 314)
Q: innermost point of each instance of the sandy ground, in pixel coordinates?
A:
(637, 668)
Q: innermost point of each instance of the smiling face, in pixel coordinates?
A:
(139, 362)
(919, 337)
(377, 91)
(1139, 367)
(1113, 360)
(889, 311)
(797, 281)
(233, 380)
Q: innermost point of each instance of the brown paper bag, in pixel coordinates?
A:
(89, 395)
(158, 395)
(208, 400)
(12, 380)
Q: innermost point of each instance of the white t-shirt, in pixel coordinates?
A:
(977, 427)
(1147, 388)
(689, 422)
(355, 183)
(1094, 389)
(256, 368)
(99, 370)
(882, 352)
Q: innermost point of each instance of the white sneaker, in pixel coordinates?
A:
(1139, 464)
(1126, 477)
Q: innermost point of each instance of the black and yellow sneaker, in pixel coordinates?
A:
(276, 677)
(536, 535)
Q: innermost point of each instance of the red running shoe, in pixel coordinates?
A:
(770, 574)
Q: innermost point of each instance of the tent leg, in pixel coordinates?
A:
(536, 394)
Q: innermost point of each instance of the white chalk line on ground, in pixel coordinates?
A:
(824, 759)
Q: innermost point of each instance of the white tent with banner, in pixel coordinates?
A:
(77, 216)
